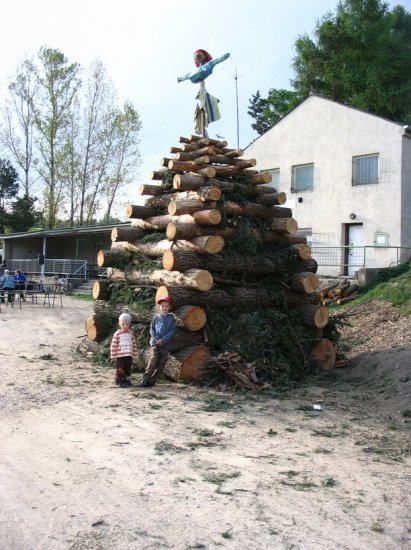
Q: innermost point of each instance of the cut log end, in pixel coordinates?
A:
(323, 354)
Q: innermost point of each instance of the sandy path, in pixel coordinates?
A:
(86, 465)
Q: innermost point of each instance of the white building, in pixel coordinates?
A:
(347, 175)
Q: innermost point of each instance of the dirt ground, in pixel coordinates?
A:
(86, 465)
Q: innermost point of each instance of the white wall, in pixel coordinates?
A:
(329, 134)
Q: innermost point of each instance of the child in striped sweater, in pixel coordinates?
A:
(124, 350)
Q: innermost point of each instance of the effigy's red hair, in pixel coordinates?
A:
(206, 55)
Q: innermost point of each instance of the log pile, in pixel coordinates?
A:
(216, 238)
(338, 292)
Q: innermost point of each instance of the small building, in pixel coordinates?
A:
(71, 251)
(347, 176)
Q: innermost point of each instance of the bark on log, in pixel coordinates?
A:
(199, 140)
(150, 189)
(284, 225)
(191, 318)
(252, 210)
(115, 275)
(193, 155)
(98, 327)
(304, 282)
(112, 258)
(202, 245)
(188, 206)
(240, 297)
(307, 265)
(203, 194)
(127, 233)
(324, 290)
(157, 174)
(220, 263)
(143, 212)
(188, 364)
(272, 199)
(323, 354)
(164, 162)
(199, 279)
(159, 223)
(183, 339)
(264, 177)
(101, 290)
(303, 251)
(352, 296)
(159, 203)
(313, 315)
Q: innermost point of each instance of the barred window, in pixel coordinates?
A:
(302, 178)
(365, 170)
(275, 177)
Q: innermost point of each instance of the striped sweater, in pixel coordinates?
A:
(123, 344)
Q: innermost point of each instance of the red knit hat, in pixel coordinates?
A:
(165, 299)
(206, 55)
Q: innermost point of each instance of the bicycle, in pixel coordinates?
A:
(62, 285)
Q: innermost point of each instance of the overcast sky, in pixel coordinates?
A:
(147, 45)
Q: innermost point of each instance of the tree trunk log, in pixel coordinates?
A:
(188, 206)
(160, 202)
(158, 174)
(323, 354)
(191, 318)
(240, 297)
(113, 258)
(201, 245)
(183, 339)
(352, 296)
(127, 233)
(143, 212)
(220, 263)
(101, 290)
(304, 282)
(205, 193)
(272, 199)
(193, 155)
(302, 251)
(150, 189)
(284, 225)
(188, 364)
(199, 279)
(98, 327)
(307, 265)
(264, 177)
(313, 315)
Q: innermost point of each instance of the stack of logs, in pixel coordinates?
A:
(338, 292)
(198, 269)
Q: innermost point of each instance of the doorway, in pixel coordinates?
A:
(354, 254)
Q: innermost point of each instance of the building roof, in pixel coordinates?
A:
(84, 231)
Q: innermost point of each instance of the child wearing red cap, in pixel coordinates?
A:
(162, 329)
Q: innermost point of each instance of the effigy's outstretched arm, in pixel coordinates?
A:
(204, 70)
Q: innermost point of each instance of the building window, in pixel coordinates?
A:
(275, 177)
(302, 178)
(365, 170)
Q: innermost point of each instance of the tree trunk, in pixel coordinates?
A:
(307, 265)
(127, 234)
(114, 257)
(143, 212)
(101, 290)
(239, 297)
(323, 354)
(264, 177)
(159, 223)
(150, 189)
(272, 199)
(188, 364)
(205, 193)
(284, 225)
(188, 206)
(313, 315)
(183, 339)
(324, 290)
(193, 155)
(191, 318)
(201, 245)
(158, 174)
(198, 279)
(302, 251)
(98, 327)
(304, 282)
(352, 296)
(220, 263)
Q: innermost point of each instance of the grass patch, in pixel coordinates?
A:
(220, 478)
(226, 424)
(324, 451)
(328, 482)
(271, 432)
(377, 528)
(325, 433)
(163, 447)
(214, 403)
(47, 357)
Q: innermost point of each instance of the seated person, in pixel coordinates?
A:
(20, 282)
(7, 283)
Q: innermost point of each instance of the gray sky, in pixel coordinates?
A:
(146, 45)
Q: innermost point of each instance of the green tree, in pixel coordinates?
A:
(58, 83)
(269, 111)
(360, 56)
(23, 215)
(9, 187)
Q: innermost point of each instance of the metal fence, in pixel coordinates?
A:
(345, 257)
(73, 268)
